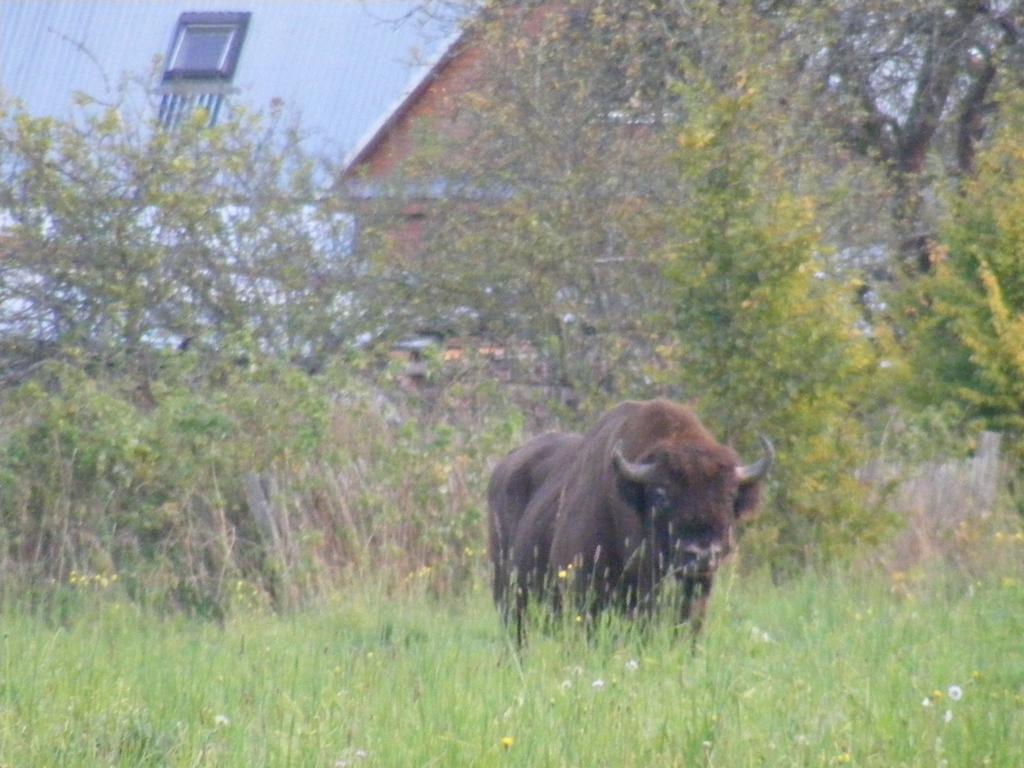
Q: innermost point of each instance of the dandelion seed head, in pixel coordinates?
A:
(955, 693)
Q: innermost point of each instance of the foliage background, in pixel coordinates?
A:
(723, 203)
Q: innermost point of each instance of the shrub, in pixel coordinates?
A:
(970, 333)
(768, 340)
(119, 237)
(258, 475)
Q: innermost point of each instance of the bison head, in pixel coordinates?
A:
(690, 497)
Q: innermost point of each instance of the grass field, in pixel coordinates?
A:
(822, 671)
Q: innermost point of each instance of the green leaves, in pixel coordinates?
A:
(127, 237)
(768, 339)
(970, 338)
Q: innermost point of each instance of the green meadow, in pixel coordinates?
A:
(842, 669)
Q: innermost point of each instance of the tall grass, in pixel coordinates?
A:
(826, 670)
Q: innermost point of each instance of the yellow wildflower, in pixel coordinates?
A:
(507, 742)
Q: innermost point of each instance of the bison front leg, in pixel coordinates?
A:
(696, 592)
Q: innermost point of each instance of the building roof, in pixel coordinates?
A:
(343, 68)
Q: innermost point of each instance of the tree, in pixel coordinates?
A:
(767, 335)
(909, 86)
(970, 341)
(555, 187)
(123, 237)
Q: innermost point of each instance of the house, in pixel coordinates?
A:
(353, 72)
(357, 74)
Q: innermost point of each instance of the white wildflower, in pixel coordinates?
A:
(632, 665)
(926, 702)
(948, 717)
(221, 721)
(597, 685)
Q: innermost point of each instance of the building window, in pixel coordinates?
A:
(200, 64)
(206, 46)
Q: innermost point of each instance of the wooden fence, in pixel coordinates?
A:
(938, 499)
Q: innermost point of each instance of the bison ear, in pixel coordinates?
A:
(748, 501)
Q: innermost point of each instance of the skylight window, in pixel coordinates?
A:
(201, 63)
(206, 46)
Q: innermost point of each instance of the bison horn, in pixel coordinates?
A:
(751, 473)
(634, 471)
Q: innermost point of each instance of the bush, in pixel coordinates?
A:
(255, 482)
(120, 237)
(970, 330)
(768, 339)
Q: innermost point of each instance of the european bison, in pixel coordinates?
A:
(646, 494)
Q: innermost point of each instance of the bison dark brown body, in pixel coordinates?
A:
(647, 494)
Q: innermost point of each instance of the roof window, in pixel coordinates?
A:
(206, 46)
(200, 65)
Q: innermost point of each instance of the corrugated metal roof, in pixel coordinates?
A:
(342, 67)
